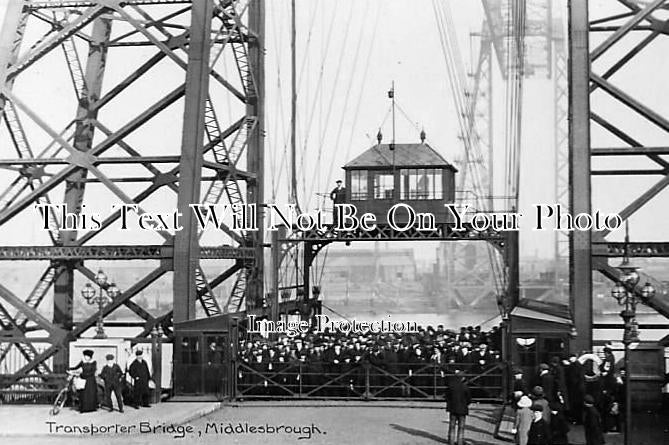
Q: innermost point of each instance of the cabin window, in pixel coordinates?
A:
(358, 185)
(384, 185)
(421, 183)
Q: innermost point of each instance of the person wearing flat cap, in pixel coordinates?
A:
(540, 399)
(338, 196)
(113, 377)
(520, 386)
(458, 399)
(547, 381)
(139, 371)
(539, 433)
(86, 368)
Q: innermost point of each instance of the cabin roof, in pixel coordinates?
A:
(405, 155)
(546, 307)
(664, 341)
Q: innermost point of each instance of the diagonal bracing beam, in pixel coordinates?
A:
(86, 324)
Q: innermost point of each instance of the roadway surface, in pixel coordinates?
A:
(320, 423)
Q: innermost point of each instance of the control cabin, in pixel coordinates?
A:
(413, 174)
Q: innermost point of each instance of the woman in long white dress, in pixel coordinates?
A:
(524, 418)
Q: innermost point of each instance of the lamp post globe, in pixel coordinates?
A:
(113, 291)
(648, 291)
(632, 277)
(101, 278)
(88, 292)
(108, 292)
(619, 293)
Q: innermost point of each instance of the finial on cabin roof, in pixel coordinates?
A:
(379, 136)
(422, 136)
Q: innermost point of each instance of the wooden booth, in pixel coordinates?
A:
(203, 358)
(414, 174)
(539, 331)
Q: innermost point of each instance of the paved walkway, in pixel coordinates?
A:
(299, 422)
(35, 420)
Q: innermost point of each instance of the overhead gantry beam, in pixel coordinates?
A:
(116, 252)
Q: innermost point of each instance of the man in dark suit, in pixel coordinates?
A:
(539, 433)
(113, 377)
(458, 399)
(520, 386)
(338, 196)
(575, 377)
(547, 382)
(139, 371)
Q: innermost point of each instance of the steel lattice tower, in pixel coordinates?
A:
(561, 147)
(468, 265)
(613, 127)
(142, 76)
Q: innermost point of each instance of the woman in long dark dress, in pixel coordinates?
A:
(88, 397)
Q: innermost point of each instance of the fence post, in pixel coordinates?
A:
(156, 361)
(505, 379)
(367, 394)
(434, 381)
(300, 378)
(233, 337)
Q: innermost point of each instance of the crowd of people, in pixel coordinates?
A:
(565, 391)
(422, 360)
(569, 390)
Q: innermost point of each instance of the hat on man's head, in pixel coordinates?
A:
(138, 352)
(109, 356)
(537, 407)
(538, 391)
(555, 406)
(544, 367)
(338, 181)
(517, 371)
(87, 353)
(588, 399)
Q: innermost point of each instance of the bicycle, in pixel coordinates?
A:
(69, 392)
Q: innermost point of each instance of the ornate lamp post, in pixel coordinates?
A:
(108, 291)
(625, 294)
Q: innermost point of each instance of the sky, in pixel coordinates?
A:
(349, 53)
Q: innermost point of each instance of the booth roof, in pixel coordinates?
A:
(405, 155)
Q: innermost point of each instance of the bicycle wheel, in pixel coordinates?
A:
(59, 402)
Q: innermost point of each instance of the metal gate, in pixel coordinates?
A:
(366, 381)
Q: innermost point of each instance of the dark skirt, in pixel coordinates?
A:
(88, 397)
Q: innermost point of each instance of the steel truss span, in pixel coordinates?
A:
(120, 72)
(26, 253)
(443, 232)
(56, 4)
